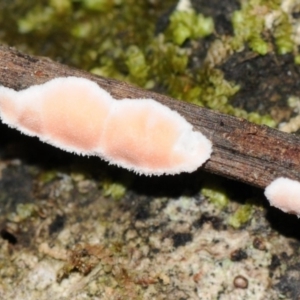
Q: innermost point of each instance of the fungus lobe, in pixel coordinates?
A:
(77, 115)
(284, 193)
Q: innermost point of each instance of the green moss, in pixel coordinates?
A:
(61, 6)
(47, 176)
(168, 66)
(116, 190)
(188, 25)
(257, 44)
(215, 194)
(297, 59)
(249, 27)
(99, 5)
(283, 35)
(261, 120)
(38, 17)
(81, 30)
(215, 90)
(137, 66)
(241, 216)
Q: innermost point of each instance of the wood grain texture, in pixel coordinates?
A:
(242, 151)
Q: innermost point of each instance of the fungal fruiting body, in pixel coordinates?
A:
(284, 193)
(76, 115)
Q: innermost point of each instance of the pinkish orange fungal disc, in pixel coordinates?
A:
(284, 193)
(76, 115)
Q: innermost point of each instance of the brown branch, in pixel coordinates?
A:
(242, 150)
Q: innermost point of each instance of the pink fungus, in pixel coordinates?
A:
(284, 193)
(76, 115)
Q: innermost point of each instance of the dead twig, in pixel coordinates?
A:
(242, 150)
